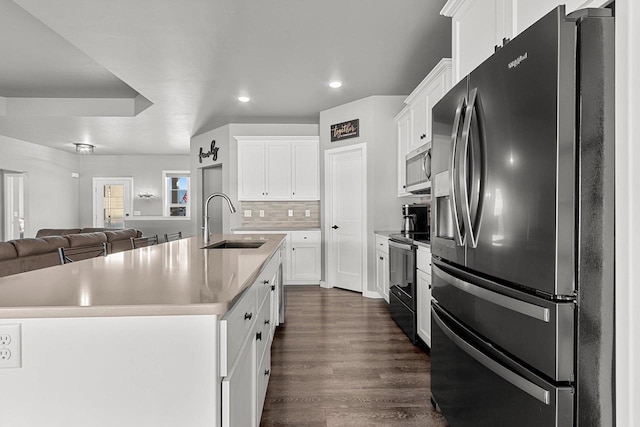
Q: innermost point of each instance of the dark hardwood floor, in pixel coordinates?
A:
(340, 360)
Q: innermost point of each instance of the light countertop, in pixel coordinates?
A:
(175, 278)
(271, 229)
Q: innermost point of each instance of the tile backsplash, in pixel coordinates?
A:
(276, 214)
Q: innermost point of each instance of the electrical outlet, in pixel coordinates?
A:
(247, 213)
(290, 212)
(10, 346)
(5, 339)
(261, 213)
(307, 213)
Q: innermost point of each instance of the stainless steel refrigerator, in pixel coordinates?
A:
(522, 243)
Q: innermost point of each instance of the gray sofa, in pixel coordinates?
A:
(19, 256)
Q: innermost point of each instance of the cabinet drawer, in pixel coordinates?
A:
(263, 374)
(305, 237)
(234, 328)
(263, 329)
(382, 243)
(423, 259)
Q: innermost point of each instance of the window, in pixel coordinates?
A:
(176, 193)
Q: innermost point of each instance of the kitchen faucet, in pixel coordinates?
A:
(205, 237)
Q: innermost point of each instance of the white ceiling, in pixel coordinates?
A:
(101, 61)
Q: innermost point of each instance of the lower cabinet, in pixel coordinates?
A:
(246, 334)
(423, 290)
(302, 255)
(382, 266)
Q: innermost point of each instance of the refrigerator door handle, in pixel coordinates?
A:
(459, 239)
(522, 307)
(466, 204)
(522, 383)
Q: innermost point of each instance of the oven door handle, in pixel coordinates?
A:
(399, 245)
(506, 374)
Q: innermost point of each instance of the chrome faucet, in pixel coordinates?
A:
(206, 236)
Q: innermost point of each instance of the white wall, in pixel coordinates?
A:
(228, 157)
(51, 194)
(627, 213)
(378, 131)
(146, 171)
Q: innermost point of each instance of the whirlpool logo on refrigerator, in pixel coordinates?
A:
(518, 60)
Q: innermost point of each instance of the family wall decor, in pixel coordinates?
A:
(345, 130)
(213, 152)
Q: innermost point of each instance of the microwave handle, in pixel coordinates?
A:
(425, 160)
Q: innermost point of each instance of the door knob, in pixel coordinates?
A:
(335, 227)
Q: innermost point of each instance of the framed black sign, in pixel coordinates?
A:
(345, 130)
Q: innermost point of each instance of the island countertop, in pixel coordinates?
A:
(174, 278)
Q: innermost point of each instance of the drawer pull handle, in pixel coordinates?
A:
(259, 336)
(266, 322)
(248, 316)
(267, 372)
(273, 287)
(266, 282)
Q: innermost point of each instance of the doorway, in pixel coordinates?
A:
(112, 201)
(14, 215)
(212, 183)
(345, 213)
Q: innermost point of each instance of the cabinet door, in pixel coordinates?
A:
(382, 274)
(278, 170)
(239, 389)
(305, 170)
(403, 127)
(434, 92)
(527, 12)
(419, 122)
(478, 26)
(251, 173)
(305, 263)
(423, 289)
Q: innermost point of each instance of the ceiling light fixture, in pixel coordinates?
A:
(244, 99)
(84, 148)
(335, 84)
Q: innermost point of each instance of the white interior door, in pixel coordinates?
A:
(14, 206)
(112, 201)
(345, 183)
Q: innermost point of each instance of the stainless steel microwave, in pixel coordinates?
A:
(418, 170)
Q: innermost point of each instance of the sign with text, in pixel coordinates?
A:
(213, 152)
(345, 130)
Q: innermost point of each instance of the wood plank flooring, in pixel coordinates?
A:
(340, 360)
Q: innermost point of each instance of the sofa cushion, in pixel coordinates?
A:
(7, 251)
(92, 230)
(126, 234)
(36, 246)
(86, 239)
(56, 231)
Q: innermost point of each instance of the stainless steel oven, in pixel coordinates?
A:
(402, 285)
(418, 170)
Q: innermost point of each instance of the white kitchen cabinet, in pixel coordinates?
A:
(239, 389)
(382, 266)
(403, 129)
(423, 290)
(278, 168)
(305, 256)
(301, 264)
(305, 170)
(478, 26)
(251, 170)
(413, 123)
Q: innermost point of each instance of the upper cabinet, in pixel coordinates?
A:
(413, 123)
(278, 168)
(478, 26)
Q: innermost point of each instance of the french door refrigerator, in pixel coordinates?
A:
(522, 244)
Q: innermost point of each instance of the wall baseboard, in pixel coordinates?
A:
(371, 294)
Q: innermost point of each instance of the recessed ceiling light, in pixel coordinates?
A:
(84, 148)
(335, 84)
(244, 99)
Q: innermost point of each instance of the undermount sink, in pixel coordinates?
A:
(235, 244)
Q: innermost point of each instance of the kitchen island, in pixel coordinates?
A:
(166, 335)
